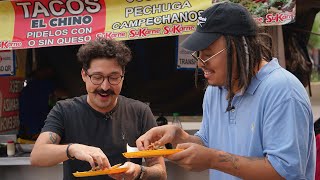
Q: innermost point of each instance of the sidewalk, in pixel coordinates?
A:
(315, 100)
(315, 109)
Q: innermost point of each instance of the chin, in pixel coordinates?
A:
(211, 82)
(214, 83)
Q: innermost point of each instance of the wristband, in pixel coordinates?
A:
(67, 152)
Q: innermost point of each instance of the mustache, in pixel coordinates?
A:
(101, 91)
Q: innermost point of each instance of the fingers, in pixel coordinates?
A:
(98, 160)
(101, 159)
(89, 159)
(167, 134)
(139, 144)
(184, 145)
(142, 144)
(92, 155)
(181, 155)
(164, 140)
(116, 176)
(151, 136)
(106, 162)
(131, 173)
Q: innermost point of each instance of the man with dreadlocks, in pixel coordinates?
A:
(257, 119)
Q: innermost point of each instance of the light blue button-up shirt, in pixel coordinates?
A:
(273, 118)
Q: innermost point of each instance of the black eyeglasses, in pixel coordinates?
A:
(98, 79)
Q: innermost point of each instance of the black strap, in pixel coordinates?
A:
(67, 152)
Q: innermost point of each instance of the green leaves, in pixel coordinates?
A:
(314, 40)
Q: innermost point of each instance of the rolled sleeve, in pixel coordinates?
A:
(55, 121)
(203, 132)
(148, 120)
(288, 139)
(202, 135)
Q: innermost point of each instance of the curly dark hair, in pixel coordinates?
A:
(104, 48)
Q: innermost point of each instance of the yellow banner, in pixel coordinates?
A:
(6, 21)
(43, 23)
(131, 19)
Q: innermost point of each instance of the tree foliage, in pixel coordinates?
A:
(314, 40)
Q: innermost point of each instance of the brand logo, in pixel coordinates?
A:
(9, 44)
(252, 127)
(201, 20)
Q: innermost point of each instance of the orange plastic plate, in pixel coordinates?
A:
(151, 153)
(113, 170)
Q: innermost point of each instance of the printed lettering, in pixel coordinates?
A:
(70, 21)
(157, 8)
(187, 16)
(58, 7)
(112, 35)
(10, 104)
(9, 123)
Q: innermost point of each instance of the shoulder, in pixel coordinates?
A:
(137, 111)
(281, 85)
(283, 77)
(72, 103)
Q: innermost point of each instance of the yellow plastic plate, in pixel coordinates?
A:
(151, 153)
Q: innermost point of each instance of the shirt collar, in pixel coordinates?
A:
(99, 113)
(262, 74)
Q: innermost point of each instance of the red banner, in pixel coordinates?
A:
(9, 103)
(55, 23)
(47, 28)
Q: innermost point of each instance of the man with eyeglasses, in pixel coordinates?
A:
(257, 119)
(93, 130)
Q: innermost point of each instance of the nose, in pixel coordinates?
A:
(105, 84)
(200, 64)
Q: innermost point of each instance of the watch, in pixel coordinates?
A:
(142, 172)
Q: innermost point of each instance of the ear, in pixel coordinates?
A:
(83, 75)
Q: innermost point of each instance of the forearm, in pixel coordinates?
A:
(156, 169)
(48, 154)
(243, 167)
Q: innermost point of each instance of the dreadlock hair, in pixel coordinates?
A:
(249, 51)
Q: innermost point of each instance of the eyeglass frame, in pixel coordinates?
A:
(103, 77)
(204, 61)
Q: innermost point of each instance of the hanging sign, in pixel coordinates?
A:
(42, 23)
(185, 60)
(7, 63)
(9, 104)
